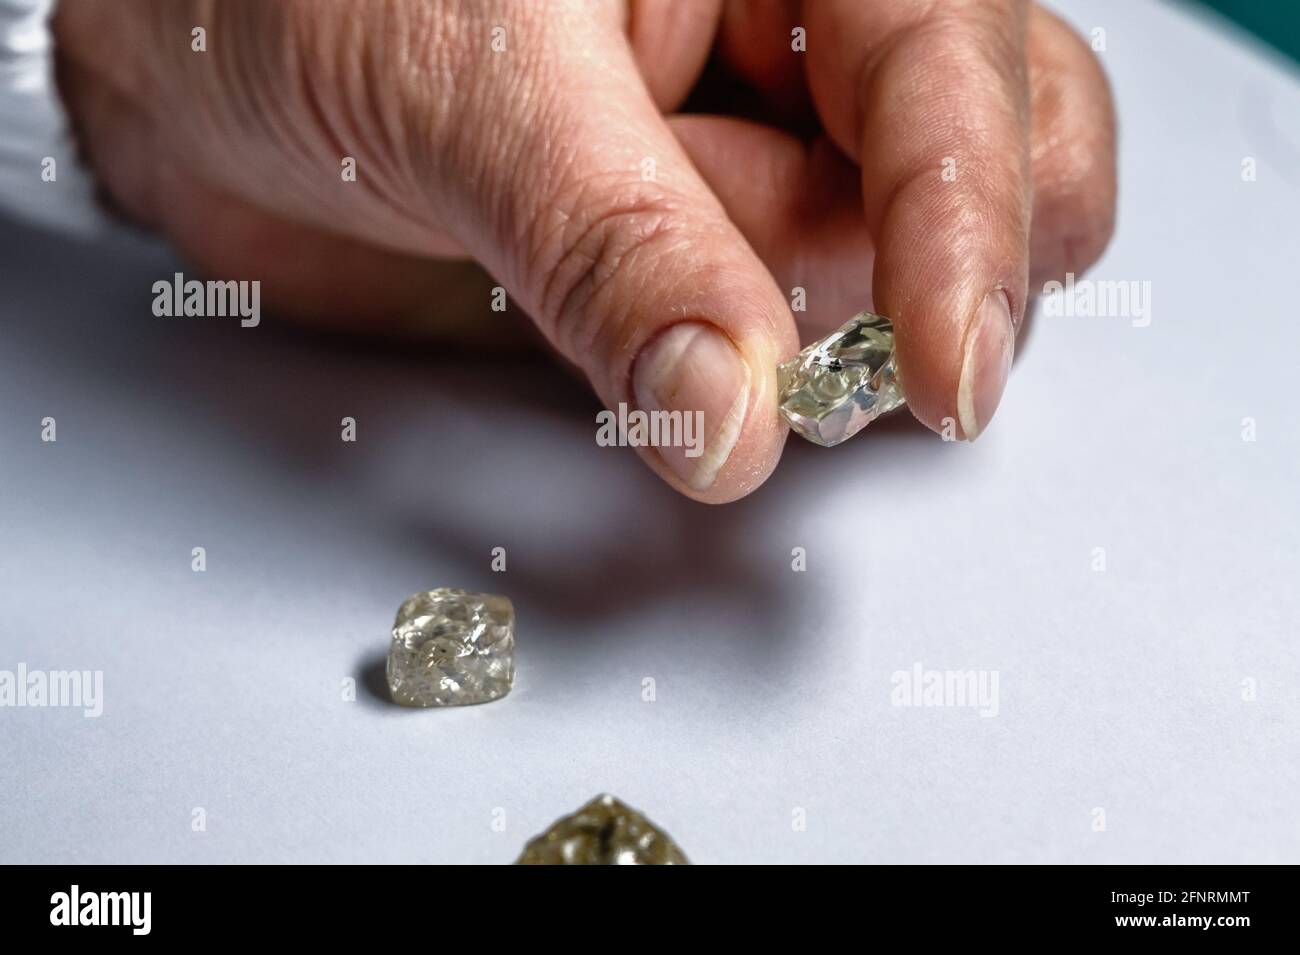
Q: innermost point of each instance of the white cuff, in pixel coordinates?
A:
(40, 177)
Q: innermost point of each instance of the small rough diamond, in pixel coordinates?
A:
(837, 386)
(603, 832)
(451, 647)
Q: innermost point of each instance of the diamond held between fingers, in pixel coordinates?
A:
(837, 386)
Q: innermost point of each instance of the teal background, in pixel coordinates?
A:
(1276, 22)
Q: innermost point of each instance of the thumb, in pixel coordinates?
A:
(594, 219)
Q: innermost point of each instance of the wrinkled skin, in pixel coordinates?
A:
(529, 161)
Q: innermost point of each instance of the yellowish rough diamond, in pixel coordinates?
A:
(451, 647)
(837, 386)
(603, 832)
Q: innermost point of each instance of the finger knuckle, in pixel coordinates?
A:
(591, 267)
(1089, 228)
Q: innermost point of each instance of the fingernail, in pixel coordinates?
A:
(692, 367)
(990, 341)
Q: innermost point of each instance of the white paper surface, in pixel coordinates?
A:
(1120, 690)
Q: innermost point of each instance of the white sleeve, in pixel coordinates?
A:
(40, 177)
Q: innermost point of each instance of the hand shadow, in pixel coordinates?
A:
(459, 453)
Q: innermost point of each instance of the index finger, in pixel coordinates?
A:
(932, 101)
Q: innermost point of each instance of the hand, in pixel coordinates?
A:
(967, 149)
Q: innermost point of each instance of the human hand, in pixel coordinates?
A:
(967, 148)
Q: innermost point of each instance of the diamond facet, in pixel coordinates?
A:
(837, 386)
(603, 832)
(452, 647)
